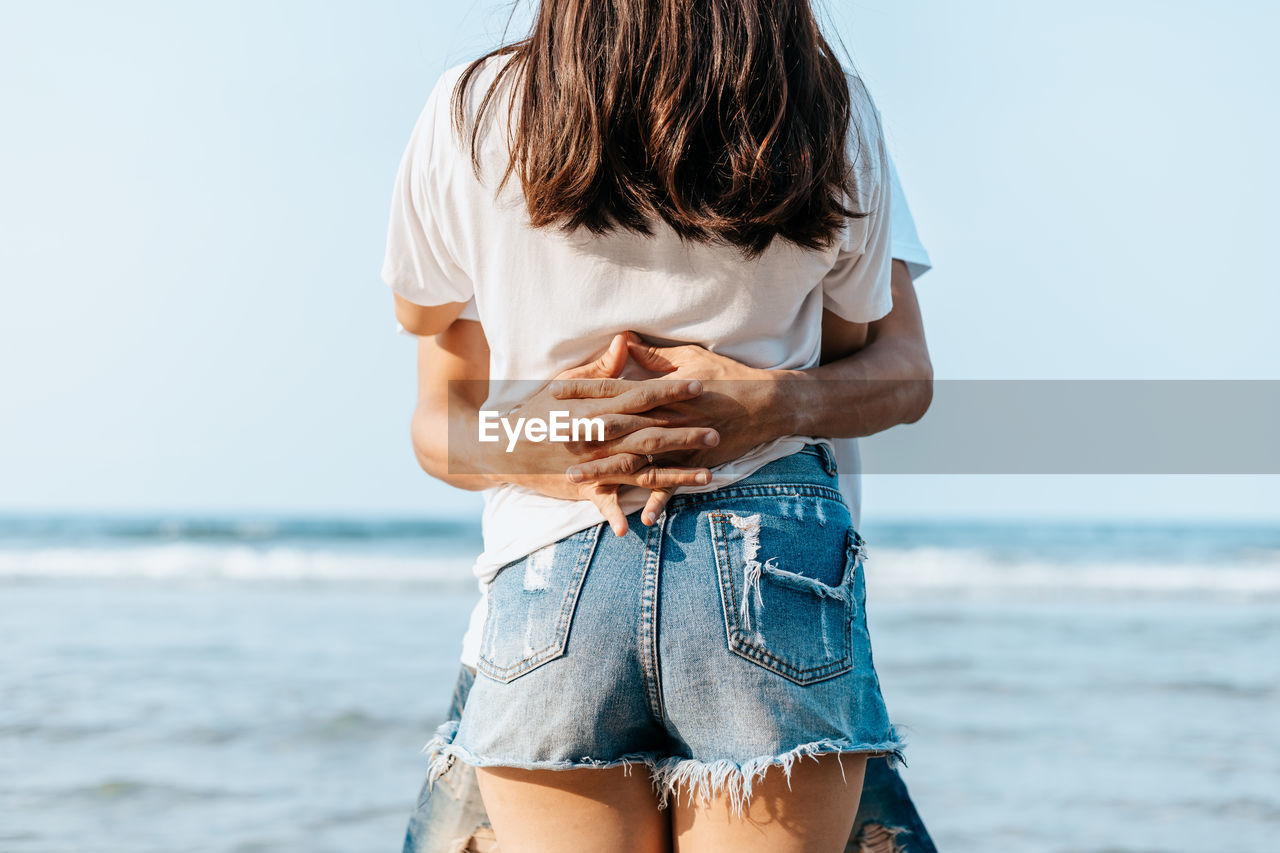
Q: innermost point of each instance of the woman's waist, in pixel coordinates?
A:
(806, 467)
(518, 521)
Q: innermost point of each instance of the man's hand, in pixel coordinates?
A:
(632, 432)
(738, 402)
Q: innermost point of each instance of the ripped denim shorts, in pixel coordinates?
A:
(728, 638)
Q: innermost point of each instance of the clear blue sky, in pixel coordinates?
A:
(193, 199)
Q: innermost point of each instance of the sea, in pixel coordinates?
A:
(266, 684)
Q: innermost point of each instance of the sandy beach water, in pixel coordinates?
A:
(1062, 689)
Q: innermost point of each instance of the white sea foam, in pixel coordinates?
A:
(971, 572)
(975, 573)
(185, 561)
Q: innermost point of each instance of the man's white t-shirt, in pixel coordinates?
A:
(550, 300)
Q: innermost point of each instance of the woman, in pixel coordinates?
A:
(702, 175)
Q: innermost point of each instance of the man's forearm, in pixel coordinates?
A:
(887, 382)
(859, 395)
(430, 431)
(459, 353)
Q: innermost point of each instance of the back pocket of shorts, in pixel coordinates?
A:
(530, 607)
(788, 593)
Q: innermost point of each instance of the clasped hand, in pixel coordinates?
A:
(698, 410)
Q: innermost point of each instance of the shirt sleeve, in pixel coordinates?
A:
(906, 240)
(858, 287)
(420, 264)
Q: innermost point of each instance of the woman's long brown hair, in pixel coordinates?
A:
(726, 119)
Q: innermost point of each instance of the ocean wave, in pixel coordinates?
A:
(123, 788)
(974, 572)
(891, 571)
(187, 562)
(98, 530)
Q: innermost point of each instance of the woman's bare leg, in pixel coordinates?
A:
(814, 815)
(592, 811)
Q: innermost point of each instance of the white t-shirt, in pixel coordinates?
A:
(549, 301)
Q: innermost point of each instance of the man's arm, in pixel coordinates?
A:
(460, 352)
(876, 376)
(859, 392)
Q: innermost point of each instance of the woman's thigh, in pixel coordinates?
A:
(592, 811)
(812, 813)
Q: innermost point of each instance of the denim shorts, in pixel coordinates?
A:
(450, 816)
(728, 638)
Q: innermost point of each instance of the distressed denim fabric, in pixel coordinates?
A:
(450, 817)
(728, 638)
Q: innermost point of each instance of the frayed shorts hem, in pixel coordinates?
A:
(675, 778)
(442, 752)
